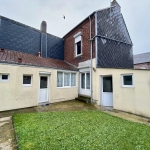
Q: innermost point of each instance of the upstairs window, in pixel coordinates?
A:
(78, 44)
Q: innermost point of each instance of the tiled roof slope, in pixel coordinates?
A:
(111, 24)
(142, 58)
(9, 56)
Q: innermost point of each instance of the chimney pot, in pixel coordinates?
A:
(39, 54)
(2, 50)
(19, 60)
(44, 26)
(115, 3)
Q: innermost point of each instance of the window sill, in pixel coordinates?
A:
(67, 87)
(4, 81)
(78, 55)
(27, 85)
(126, 86)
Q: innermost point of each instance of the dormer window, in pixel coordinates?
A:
(78, 44)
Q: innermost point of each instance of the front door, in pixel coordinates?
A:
(107, 91)
(43, 95)
(85, 84)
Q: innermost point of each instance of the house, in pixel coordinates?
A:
(142, 61)
(94, 59)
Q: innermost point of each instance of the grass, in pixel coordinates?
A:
(84, 130)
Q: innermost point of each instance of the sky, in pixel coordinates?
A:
(33, 12)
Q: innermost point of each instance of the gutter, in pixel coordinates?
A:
(91, 60)
(88, 66)
(110, 39)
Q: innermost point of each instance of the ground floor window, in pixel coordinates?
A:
(27, 80)
(65, 79)
(127, 80)
(4, 77)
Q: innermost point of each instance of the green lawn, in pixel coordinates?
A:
(81, 130)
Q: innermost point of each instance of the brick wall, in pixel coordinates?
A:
(69, 42)
(142, 66)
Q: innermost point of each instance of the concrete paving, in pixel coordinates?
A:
(7, 138)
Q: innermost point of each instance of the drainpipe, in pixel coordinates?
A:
(91, 60)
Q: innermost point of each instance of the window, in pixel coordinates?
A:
(4, 77)
(78, 44)
(107, 84)
(65, 79)
(127, 80)
(27, 80)
(73, 79)
(59, 79)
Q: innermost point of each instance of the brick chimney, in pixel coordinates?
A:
(115, 3)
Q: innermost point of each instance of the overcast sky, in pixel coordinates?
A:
(31, 12)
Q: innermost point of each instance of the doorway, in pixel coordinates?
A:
(107, 91)
(85, 84)
(44, 89)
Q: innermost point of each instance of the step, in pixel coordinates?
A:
(86, 96)
(83, 99)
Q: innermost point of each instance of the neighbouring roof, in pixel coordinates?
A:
(141, 58)
(24, 25)
(11, 57)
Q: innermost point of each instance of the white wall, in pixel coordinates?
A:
(135, 100)
(14, 95)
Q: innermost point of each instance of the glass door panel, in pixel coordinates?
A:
(87, 80)
(83, 80)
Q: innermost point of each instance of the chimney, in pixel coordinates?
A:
(115, 3)
(19, 60)
(43, 26)
(2, 50)
(39, 54)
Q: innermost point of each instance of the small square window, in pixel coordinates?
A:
(4, 77)
(26, 80)
(127, 80)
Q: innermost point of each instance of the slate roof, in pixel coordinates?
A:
(142, 58)
(9, 56)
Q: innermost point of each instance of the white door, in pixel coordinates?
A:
(107, 91)
(85, 83)
(43, 95)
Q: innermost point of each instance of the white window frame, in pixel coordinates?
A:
(26, 85)
(63, 85)
(77, 38)
(1, 80)
(122, 80)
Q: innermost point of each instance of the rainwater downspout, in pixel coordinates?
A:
(91, 60)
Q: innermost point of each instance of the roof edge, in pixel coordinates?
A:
(86, 19)
(79, 24)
